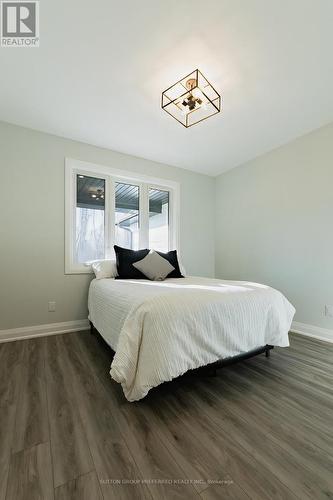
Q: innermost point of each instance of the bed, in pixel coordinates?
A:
(160, 330)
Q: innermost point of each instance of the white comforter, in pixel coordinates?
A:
(160, 330)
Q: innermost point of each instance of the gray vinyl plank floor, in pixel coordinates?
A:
(260, 429)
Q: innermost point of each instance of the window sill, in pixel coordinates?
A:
(72, 272)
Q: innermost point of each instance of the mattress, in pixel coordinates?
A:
(160, 330)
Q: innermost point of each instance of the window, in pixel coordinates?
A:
(127, 215)
(105, 206)
(89, 218)
(159, 219)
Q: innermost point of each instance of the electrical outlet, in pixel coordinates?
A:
(329, 311)
(52, 306)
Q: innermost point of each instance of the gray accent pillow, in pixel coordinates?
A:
(154, 266)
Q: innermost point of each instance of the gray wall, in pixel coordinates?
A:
(274, 223)
(32, 224)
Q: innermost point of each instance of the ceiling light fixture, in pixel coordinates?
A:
(98, 195)
(191, 100)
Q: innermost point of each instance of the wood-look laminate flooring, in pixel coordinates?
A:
(260, 429)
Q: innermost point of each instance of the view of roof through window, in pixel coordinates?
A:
(90, 218)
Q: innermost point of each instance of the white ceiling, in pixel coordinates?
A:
(101, 67)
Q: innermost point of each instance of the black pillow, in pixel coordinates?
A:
(173, 259)
(125, 259)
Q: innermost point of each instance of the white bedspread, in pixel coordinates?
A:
(160, 330)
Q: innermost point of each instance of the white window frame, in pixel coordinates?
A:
(111, 176)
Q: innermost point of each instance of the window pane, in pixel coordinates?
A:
(127, 216)
(90, 218)
(159, 220)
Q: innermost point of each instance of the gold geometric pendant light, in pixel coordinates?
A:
(191, 100)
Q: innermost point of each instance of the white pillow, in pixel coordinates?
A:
(154, 266)
(181, 267)
(103, 268)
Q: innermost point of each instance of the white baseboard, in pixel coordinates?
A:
(28, 332)
(312, 331)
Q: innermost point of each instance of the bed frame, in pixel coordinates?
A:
(212, 367)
